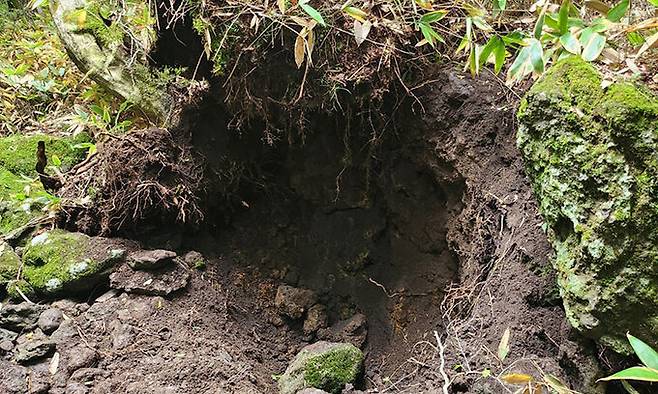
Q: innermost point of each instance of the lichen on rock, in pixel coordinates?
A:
(58, 261)
(323, 365)
(95, 35)
(592, 156)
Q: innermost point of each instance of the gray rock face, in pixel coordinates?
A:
(323, 365)
(32, 350)
(13, 378)
(316, 318)
(21, 316)
(353, 330)
(195, 259)
(160, 282)
(151, 259)
(50, 319)
(293, 302)
(6, 335)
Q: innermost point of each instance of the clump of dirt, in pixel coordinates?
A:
(151, 175)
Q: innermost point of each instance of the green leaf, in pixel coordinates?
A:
(499, 55)
(56, 161)
(645, 353)
(635, 38)
(433, 16)
(521, 66)
(570, 43)
(474, 60)
(643, 374)
(312, 12)
(430, 34)
(629, 388)
(617, 12)
(500, 5)
(536, 56)
(563, 18)
(592, 46)
(654, 2)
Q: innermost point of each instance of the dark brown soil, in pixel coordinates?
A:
(428, 228)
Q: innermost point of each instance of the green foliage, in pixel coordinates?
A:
(648, 372)
(40, 85)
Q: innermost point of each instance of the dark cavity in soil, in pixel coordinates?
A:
(364, 228)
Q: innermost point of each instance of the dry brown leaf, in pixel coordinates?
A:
(597, 5)
(517, 378)
(650, 42)
(361, 31)
(310, 42)
(300, 50)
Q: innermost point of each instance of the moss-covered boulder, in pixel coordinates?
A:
(110, 41)
(592, 156)
(22, 198)
(323, 365)
(59, 262)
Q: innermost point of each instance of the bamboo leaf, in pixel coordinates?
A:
(312, 12)
(570, 43)
(563, 18)
(650, 42)
(433, 16)
(645, 353)
(356, 13)
(536, 56)
(503, 346)
(597, 5)
(556, 384)
(618, 11)
(499, 55)
(593, 46)
(643, 374)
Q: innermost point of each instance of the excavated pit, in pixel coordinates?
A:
(366, 230)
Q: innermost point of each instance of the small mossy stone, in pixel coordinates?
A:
(59, 261)
(592, 157)
(323, 365)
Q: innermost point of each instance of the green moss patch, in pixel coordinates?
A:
(18, 152)
(323, 365)
(333, 370)
(57, 261)
(9, 264)
(592, 156)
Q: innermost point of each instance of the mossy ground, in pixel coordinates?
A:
(18, 152)
(592, 156)
(9, 264)
(22, 197)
